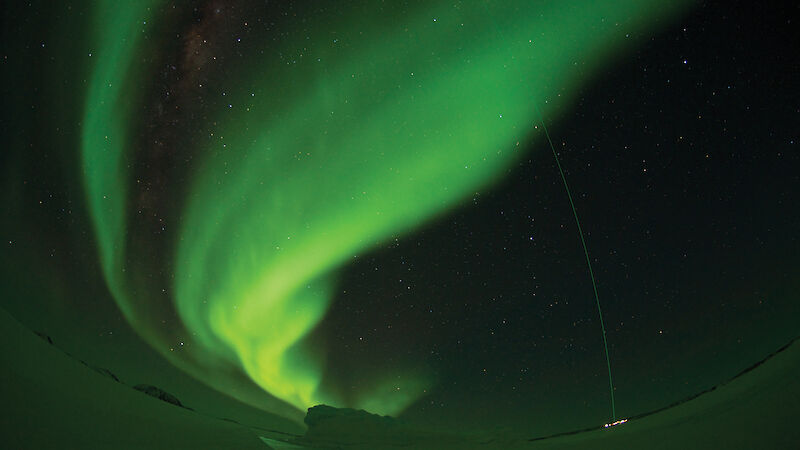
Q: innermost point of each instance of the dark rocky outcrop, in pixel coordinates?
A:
(104, 371)
(346, 423)
(323, 413)
(44, 336)
(159, 394)
(330, 427)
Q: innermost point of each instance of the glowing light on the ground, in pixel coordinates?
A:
(613, 424)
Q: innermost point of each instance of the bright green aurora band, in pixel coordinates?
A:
(388, 119)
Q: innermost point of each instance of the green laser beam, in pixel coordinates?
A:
(588, 262)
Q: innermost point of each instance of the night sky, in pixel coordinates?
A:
(678, 142)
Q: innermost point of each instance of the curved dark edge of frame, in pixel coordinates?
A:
(679, 402)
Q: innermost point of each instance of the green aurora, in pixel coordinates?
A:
(389, 118)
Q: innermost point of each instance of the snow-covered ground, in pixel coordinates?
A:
(52, 400)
